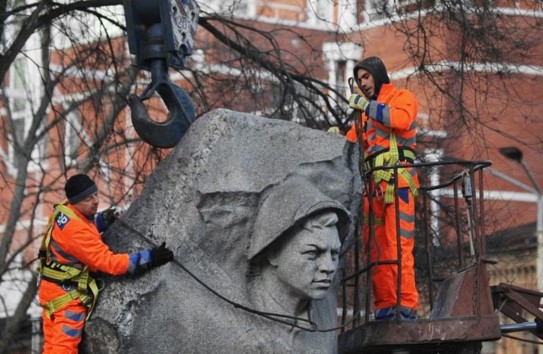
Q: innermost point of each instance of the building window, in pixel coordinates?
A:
(434, 177)
(340, 59)
(72, 140)
(19, 129)
(18, 103)
(18, 98)
(343, 77)
(235, 8)
(377, 9)
(319, 11)
(381, 9)
(347, 11)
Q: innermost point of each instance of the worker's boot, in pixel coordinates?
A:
(389, 313)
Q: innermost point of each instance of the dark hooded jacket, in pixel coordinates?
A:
(390, 110)
(377, 69)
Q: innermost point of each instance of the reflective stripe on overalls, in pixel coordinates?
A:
(64, 274)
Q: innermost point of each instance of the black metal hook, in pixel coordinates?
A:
(181, 110)
(161, 34)
(354, 114)
(351, 84)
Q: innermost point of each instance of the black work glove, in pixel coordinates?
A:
(161, 255)
(110, 215)
(106, 218)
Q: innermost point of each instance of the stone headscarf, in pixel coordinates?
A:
(286, 206)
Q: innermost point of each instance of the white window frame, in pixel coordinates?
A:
(19, 116)
(347, 17)
(72, 129)
(24, 116)
(18, 93)
(334, 53)
(235, 8)
(319, 11)
(372, 14)
(434, 155)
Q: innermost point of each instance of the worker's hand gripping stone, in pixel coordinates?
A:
(148, 258)
(161, 255)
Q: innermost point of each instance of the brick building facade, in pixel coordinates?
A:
(464, 113)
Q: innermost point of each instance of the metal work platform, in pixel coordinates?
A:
(460, 309)
(462, 317)
(447, 335)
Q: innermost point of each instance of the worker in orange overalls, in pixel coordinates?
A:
(72, 248)
(387, 130)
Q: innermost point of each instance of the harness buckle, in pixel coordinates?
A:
(378, 192)
(100, 284)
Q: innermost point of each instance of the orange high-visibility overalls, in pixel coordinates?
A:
(72, 248)
(389, 138)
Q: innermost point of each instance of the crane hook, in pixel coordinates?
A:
(181, 110)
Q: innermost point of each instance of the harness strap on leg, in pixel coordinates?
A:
(93, 287)
(56, 304)
(409, 179)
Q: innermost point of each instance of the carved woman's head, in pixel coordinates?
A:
(306, 261)
(298, 232)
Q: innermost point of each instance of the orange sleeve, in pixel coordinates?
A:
(83, 241)
(351, 134)
(403, 110)
(400, 113)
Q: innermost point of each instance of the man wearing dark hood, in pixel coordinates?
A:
(387, 132)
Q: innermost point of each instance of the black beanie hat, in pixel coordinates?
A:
(377, 69)
(79, 187)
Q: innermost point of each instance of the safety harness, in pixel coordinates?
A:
(390, 158)
(77, 282)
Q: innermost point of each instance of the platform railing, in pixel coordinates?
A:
(460, 200)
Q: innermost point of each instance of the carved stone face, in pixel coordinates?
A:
(307, 260)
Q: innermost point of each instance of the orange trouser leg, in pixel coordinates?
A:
(384, 248)
(62, 332)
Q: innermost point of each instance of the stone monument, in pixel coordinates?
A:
(257, 212)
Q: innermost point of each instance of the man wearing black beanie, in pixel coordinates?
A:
(79, 187)
(387, 132)
(71, 250)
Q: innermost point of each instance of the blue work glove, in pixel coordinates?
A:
(358, 102)
(149, 258)
(105, 219)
